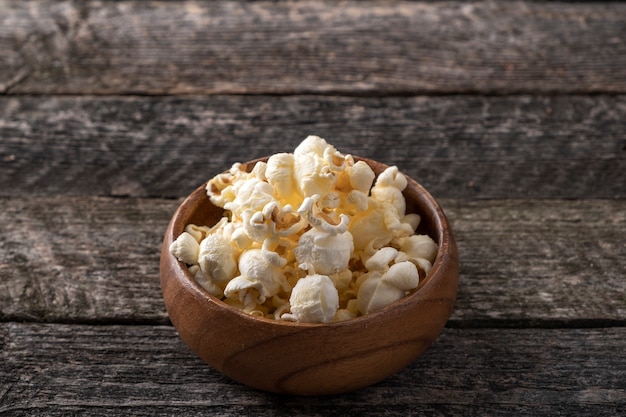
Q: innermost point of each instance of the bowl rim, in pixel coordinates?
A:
(444, 239)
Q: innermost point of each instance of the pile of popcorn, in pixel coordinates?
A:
(309, 236)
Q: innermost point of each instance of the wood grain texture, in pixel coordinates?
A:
(147, 370)
(552, 258)
(82, 259)
(233, 47)
(510, 112)
(456, 146)
(526, 263)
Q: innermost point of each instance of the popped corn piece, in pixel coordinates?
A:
(380, 260)
(240, 238)
(419, 249)
(315, 145)
(388, 279)
(259, 171)
(285, 221)
(361, 176)
(279, 173)
(370, 229)
(379, 289)
(185, 248)
(225, 188)
(318, 219)
(247, 291)
(208, 284)
(255, 225)
(412, 220)
(252, 194)
(420, 246)
(315, 166)
(326, 248)
(402, 275)
(324, 252)
(219, 189)
(388, 188)
(390, 195)
(271, 221)
(200, 232)
(217, 258)
(314, 299)
(353, 306)
(259, 279)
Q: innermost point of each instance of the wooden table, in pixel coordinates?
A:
(511, 113)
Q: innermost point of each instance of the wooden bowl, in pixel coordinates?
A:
(303, 358)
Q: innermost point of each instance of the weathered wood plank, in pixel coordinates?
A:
(144, 370)
(525, 263)
(456, 146)
(135, 47)
(543, 261)
(82, 259)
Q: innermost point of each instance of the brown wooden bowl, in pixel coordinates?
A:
(304, 358)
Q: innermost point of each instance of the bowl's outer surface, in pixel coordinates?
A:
(311, 359)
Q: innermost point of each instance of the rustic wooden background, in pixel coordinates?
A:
(512, 113)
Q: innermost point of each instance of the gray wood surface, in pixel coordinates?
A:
(134, 47)
(512, 113)
(523, 262)
(456, 146)
(63, 370)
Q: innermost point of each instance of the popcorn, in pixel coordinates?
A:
(361, 176)
(279, 174)
(419, 249)
(186, 248)
(261, 277)
(309, 236)
(217, 258)
(324, 252)
(316, 166)
(208, 284)
(387, 281)
(388, 188)
(314, 299)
